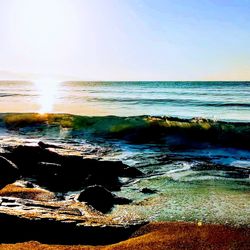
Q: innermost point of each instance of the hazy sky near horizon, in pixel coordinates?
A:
(125, 39)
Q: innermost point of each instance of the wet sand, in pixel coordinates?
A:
(164, 235)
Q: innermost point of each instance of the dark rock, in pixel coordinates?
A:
(117, 168)
(94, 172)
(106, 173)
(49, 175)
(48, 169)
(9, 172)
(132, 172)
(76, 165)
(100, 198)
(29, 184)
(148, 191)
(121, 200)
(107, 180)
(27, 158)
(45, 145)
(59, 222)
(68, 172)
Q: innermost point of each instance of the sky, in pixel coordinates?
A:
(125, 39)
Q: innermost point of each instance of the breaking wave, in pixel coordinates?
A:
(136, 128)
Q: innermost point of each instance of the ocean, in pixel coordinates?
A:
(190, 139)
(229, 101)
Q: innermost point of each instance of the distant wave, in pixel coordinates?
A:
(9, 94)
(138, 128)
(247, 105)
(149, 101)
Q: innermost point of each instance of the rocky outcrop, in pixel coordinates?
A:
(27, 157)
(8, 172)
(132, 172)
(61, 222)
(68, 172)
(49, 214)
(100, 198)
(46, 145)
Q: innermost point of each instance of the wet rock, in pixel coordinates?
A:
(48, 168)
(148, 191)
(47, 171)
(46, 145)
(27, 210)
(27, 157)
(49, 175)
(107, 180)
(59, 222)
(68, 172)
(9, 172)
(29, 184)
(121, 200)
(132, 172)
(78, 173)
(115, 167)
(100, 198)
(107, 173)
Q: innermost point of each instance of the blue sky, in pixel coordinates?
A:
(126, 39)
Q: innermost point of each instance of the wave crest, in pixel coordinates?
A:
(138, 128)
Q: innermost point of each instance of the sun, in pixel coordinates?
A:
(47, 92)
(43, 34)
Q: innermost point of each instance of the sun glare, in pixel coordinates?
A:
(46, 31)
(47, 94)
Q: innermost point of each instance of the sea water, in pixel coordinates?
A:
(216, 100)
(191, 140)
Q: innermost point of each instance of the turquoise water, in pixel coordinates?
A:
(199, 168)
(216, 100)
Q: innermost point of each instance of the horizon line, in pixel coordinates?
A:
(30, 80)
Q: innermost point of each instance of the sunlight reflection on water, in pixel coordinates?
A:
(47, 94)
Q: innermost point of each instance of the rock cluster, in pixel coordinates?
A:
(67, 172)
(41, 215)
(101, 198)
(59, 222)
(8, 172)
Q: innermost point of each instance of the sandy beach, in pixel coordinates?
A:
(162, 236)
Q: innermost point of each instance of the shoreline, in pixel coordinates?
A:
(33, 176)
(154, 235)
